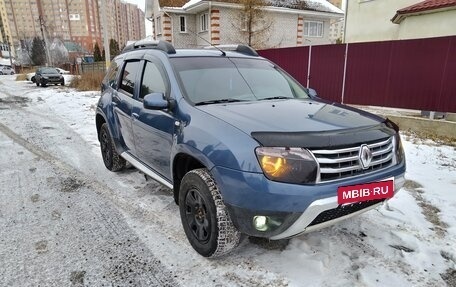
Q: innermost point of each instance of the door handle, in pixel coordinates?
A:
(134, 116)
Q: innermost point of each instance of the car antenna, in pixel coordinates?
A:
(196, 34)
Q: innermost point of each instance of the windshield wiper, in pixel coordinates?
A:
(275, 98)
(217, 101)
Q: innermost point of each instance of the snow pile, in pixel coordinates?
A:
(314, 5)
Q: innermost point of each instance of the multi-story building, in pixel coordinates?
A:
(128, 26)
(78, 21)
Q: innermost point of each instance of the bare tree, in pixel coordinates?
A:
(58, 52)
(24, 52)
(254, 24)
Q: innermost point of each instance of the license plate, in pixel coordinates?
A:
(363, 192)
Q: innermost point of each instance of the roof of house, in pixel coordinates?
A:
(74, 47)
(312, 5)
(427, 6)
(172, 3)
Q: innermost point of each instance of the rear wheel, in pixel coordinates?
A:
(204, 216)
(62, 83)
(37, 83)
(112, 160)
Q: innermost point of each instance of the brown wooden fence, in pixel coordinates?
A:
(413, 74)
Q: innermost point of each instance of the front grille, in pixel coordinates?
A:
(344, 162)
(343, 210)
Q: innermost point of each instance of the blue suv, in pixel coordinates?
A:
(244, 147)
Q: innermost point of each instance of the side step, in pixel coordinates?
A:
(146, 170)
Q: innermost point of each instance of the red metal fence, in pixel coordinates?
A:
(413, 74)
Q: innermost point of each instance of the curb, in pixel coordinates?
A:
(439, 128)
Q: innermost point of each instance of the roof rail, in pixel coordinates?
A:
(243, 49)
(151, 44)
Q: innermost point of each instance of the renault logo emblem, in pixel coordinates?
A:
(365, 156)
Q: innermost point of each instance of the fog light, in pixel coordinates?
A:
(260, 222)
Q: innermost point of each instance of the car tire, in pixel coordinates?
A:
(204, 216)
(62, 83)
(37, 83)
(33, 79)
(43, 84)
(111, 159)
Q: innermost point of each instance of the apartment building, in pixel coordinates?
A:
(78, 21)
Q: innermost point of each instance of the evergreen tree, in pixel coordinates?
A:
(97, 53)
(113, 48)
(38, 54)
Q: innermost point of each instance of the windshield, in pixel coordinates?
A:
(212, 80)
(49, 71)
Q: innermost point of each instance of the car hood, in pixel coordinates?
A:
(296, 117)
(51, 74)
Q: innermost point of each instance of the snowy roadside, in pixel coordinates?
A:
(410, 241)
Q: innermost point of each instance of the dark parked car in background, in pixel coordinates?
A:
(244, 147)
(47, 75)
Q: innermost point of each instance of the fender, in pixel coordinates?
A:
(114, 133)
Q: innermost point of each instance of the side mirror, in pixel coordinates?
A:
(157, 101)
(311, 92)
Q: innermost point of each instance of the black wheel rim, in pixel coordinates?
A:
(105, 142)
(197, 216)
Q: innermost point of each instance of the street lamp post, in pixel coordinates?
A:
(105, 36)
(43, 34)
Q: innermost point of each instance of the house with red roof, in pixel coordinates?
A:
(266, 24)
(379, 20)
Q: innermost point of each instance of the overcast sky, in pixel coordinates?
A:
(141, 3)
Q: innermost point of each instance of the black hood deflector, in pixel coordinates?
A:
(325, 139)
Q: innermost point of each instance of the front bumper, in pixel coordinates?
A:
(293, 209)
(52, 81)
(318, 208)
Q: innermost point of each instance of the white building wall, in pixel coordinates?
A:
(370, 20)
(187, 39)
(324, 40)
(282, 32)
(428, 25)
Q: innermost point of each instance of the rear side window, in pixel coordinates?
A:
(129, 76)
(110, 78)
(152, 81)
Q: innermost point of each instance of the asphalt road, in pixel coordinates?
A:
(65, 220)
(58, 227)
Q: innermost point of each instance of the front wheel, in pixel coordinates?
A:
(111, 159)
(204, 216)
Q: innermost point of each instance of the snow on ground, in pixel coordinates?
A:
(409, 241)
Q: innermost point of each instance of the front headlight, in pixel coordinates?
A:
(399, 149)
(291, 165)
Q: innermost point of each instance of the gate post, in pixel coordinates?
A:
(345, 72)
